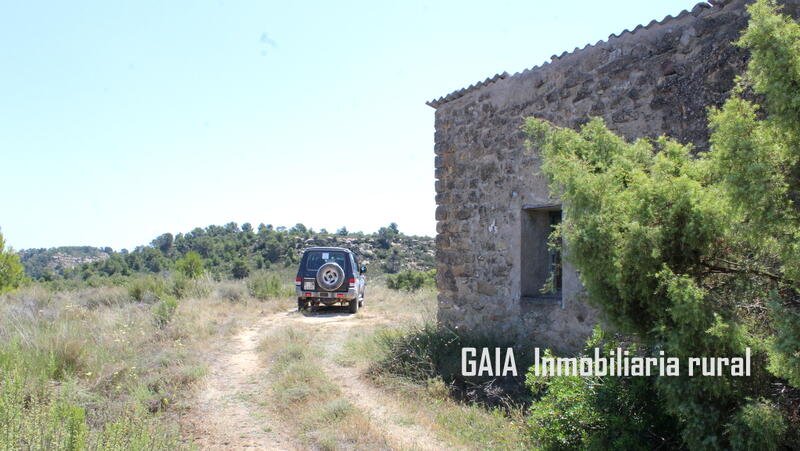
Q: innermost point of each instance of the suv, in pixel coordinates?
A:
(329, 275)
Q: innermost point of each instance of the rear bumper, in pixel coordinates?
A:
(332, 296)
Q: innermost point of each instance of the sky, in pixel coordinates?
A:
(120, 121)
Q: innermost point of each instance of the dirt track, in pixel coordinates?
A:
(228, 415)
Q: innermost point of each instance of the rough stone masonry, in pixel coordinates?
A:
(493, 204)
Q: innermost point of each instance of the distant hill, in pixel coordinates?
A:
(46, 263)
(262, 247)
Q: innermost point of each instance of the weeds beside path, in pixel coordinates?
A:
(331, 330)
(383, 408)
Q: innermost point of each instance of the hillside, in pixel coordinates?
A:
(225, 247)
(46, 263)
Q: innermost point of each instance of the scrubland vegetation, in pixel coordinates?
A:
(411, 280)
(111, 367)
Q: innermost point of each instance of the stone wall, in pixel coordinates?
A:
(656, 80)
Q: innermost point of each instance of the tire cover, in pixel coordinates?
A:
(330, 276)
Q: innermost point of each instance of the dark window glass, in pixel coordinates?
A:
(318, 258)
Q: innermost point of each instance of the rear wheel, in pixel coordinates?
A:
(301, 304)
(354, 306)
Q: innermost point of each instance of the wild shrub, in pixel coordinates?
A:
(232, 291)
(199, 288)
(593, 412)
(759, 424)
(265, 285)
(240, 269)
(146, 289)
(179, 285)
(164, 311)
(103, 296)
(411, 280)
(12, 274)
(697, 253)
(191, 265)
(430, 351)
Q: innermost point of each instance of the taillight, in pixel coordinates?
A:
(352, 281)
(297, 281)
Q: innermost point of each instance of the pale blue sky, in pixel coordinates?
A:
(123, 120)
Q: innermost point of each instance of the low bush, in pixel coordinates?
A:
(411, 280)
(240, 269)
(191, 265)
(146, 289)
(263, 285)
(232, 291)
(181, 285)
(430, 351)
(164, 311)
(615, 412)
(758, 425)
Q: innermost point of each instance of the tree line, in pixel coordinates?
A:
(233, 251)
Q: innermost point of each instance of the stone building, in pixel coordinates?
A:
(494, 211)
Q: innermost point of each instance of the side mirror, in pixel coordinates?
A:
(363, 270)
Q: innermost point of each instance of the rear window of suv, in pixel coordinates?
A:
(316, 259)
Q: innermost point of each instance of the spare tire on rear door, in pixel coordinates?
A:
(330, 276)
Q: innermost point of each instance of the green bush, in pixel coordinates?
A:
(432, 352)
(411, 280)
(180, 285)
(240, 269)
(614, 412)
(164, 311)
(264, 285)
(146, 289)
(758, 425)
(12, 274)
(696, 252)
(191, 265)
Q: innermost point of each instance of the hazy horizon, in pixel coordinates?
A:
(124, 121)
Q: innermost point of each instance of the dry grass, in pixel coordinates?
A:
(92, 368)
(428, 404)
(309, 400)
(325, 419)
